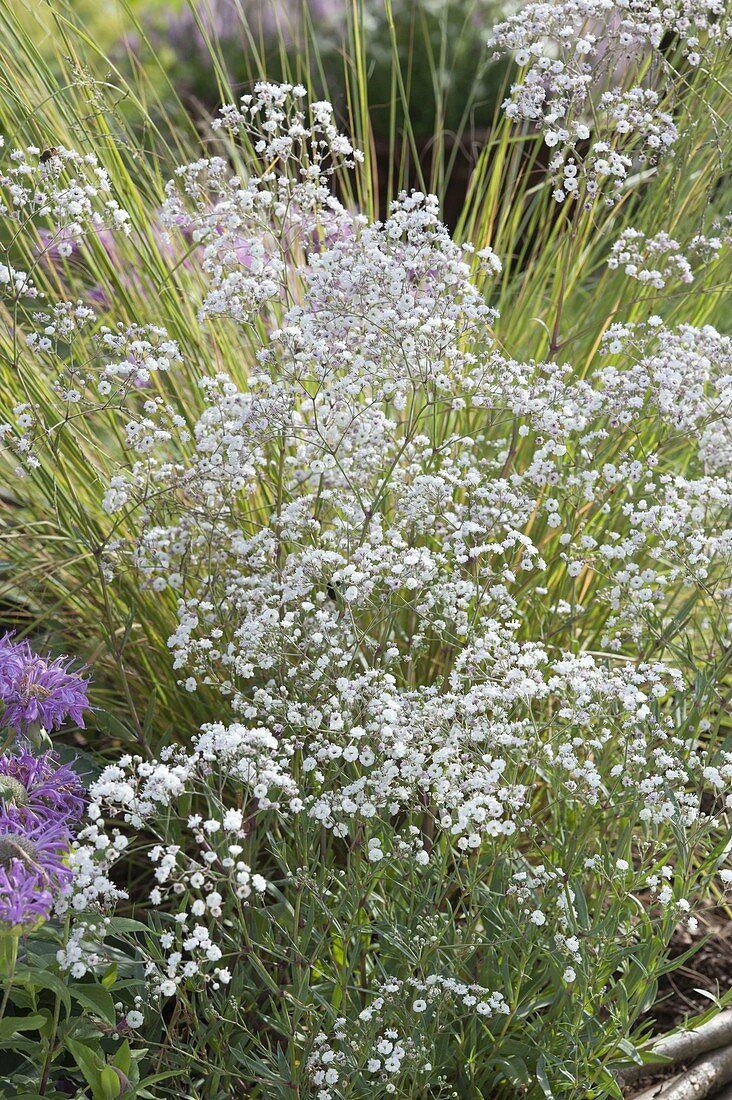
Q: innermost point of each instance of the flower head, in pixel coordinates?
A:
(37, 691)
(50, 791)
(32, 867)
(24, 901)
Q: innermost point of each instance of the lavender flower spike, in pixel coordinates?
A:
(32, 868)
(51, 792)
(37, 692)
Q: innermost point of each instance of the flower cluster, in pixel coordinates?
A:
(373, 753)
(396, 537)
(248, 229)
(194, 882)
(67, 189)
(33, 867)
(46, 789)
(567, 50)
(651, 260)
(38, 694)
(39, 803)
(658, 260)
(273, 117)
(40, 800)
(389, 1044)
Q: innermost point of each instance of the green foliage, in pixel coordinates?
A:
(54, 1029)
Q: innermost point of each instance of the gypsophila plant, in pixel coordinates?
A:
(412, 605)
(568, 51)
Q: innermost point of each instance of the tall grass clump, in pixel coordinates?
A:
(394, 559)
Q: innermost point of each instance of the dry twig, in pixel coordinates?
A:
(684, 1046)
(701, 1080)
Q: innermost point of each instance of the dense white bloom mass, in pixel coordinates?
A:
(382, 541)
(568, 51)
(652, 260)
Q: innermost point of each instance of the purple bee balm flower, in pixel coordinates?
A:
(32, 868)
(51, 792)
(38, 692)
(24, 900)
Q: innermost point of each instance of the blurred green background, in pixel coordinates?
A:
(434, 109)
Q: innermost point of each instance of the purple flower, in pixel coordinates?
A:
(36, 691)
(228, 21)
(53, 244)
(24, 900)
(32, 868)
(49, 791)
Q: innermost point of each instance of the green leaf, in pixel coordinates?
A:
(35, 978)
(10, 1025)
(89, 1063)
(516, 1070)
(110, 977)
(283, 1065)
(110, 1084)
(109, 723)
(8, 953)
(123, 1058)
(338, 953)
(628, 1048)
(97, 1000)
(125, 924)
(706, 993)
(541, 1077)
(141, 1090)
